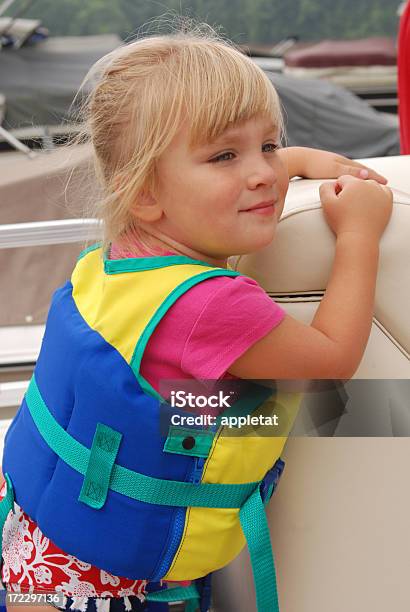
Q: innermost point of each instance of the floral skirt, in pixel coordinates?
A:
(32, 563)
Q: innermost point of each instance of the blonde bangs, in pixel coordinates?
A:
(226, 88)
(212, 86)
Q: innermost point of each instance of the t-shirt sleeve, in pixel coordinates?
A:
(236, 315)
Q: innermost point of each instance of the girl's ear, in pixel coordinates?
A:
(146, 208)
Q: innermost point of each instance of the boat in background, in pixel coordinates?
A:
(366, 67)
(36, 111)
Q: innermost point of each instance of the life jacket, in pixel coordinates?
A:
(85, 458)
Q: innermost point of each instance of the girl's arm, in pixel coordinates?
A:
(333, 345)
(316, 164)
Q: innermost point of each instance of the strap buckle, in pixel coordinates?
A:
(271, 479)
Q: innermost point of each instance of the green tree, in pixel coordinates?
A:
(264, 21)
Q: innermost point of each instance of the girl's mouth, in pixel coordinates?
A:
(267, 209)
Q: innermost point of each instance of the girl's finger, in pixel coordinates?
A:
(346, 178)
(328, 191)
(363, 172)
(375, 176)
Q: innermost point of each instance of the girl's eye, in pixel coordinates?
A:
(274, 146)
(222, 156)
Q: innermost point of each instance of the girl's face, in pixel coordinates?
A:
(206, 196)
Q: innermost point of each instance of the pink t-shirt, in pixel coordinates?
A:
(208, 329)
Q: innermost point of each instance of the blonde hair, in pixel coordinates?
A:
(145, 89)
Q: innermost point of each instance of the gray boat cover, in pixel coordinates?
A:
(325, 116)
(40, 81)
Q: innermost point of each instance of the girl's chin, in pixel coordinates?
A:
(254, 248)
(263, 241)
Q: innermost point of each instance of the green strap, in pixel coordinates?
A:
(174, 594)
(192, 605)
(255, 528)
(134, 264)
(6, 504)
(103, 453)
(201, 441)
(130, 483)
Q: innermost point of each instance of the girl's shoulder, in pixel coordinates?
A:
(227, 292)
(222, 317)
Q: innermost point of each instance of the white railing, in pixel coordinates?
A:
(40, 233)
(11, 393)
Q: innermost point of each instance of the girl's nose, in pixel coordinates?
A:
(261, 173)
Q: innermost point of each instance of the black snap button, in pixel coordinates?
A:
(188, 442)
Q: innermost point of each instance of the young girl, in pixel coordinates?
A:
(186, 133)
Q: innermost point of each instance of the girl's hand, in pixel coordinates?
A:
(315, 164)
(356, 206)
